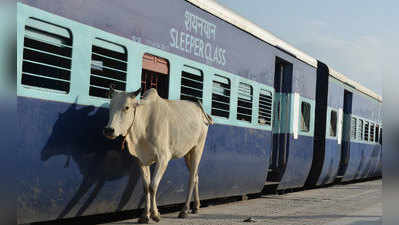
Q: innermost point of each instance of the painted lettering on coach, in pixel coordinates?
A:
(198, 39)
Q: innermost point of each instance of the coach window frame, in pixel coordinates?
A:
(261, 90)
(330, 124)
(301, 128)
(52, 31)
(229, 89)
(126, 62)
(252, 101)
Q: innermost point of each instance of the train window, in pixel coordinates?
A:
(372, 132)
(333, 123)
(108, 66)
(305, 116)
(360, 130)
(155, 74)
(366, 130)
(221, 96)
(265, 107)
(191, 84)
(244, 104)
(353, 128)
(47, 56)
(377, 133)
(381, 136)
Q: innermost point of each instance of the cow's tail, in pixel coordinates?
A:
(207, 116)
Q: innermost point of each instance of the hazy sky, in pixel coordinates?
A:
(357, 38)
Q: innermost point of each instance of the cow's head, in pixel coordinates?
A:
(121, 112)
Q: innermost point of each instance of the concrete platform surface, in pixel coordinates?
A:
(350, 204)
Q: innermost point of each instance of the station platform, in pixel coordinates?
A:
(343, 204)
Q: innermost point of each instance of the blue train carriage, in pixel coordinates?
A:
(66, 62)
(339, 99)
(361, 154)
(262, 93)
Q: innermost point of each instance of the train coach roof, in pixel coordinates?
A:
(233, 18)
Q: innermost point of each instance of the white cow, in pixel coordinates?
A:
(157, 130)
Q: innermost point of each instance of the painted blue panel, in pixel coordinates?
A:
(332, 159)
(49, 132)
(362, 158)
(304, 81)
(149, 23)
(335, 95)
(367, 108)
(300, 156)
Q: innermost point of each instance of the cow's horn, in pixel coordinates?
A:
(135, 93)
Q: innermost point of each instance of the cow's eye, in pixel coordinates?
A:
(126, 108)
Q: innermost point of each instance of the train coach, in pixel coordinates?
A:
(281, 116)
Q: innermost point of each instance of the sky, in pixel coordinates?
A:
(357, 38)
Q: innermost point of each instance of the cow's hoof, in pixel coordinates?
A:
(155, 217)
(194, 211)
(183, 215)
(144, 220)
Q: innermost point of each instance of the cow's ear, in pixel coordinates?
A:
(133, 94)
(111, 91)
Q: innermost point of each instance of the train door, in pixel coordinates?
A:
(346, 127)
(281, 119)
(155, 74)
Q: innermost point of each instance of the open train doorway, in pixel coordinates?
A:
(346, 127)
(155, 74)
(281, 120)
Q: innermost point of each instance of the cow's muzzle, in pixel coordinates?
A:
(109, 132)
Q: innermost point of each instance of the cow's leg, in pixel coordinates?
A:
(160, 169)
(196, 196)
(192, 160)
(146, 176)
(187, 160)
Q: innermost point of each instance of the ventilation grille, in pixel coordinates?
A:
(360, 130)
(265, 107)
(354, 127)
(47, 56)
(366, 131)
(108, 66)
(244, 104)
(372, 132)
(221, 96)
(191, 84)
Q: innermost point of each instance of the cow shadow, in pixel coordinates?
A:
(77, 134)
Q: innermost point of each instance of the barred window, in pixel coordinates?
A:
(47, 56)
(360, 130)
(372, 132)
(265, 107)
(333, 123)
(353, 128)
(191, 84)
(366, 130)
(108, 66)
(305, 116)
(221, 96)
(244, 104)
